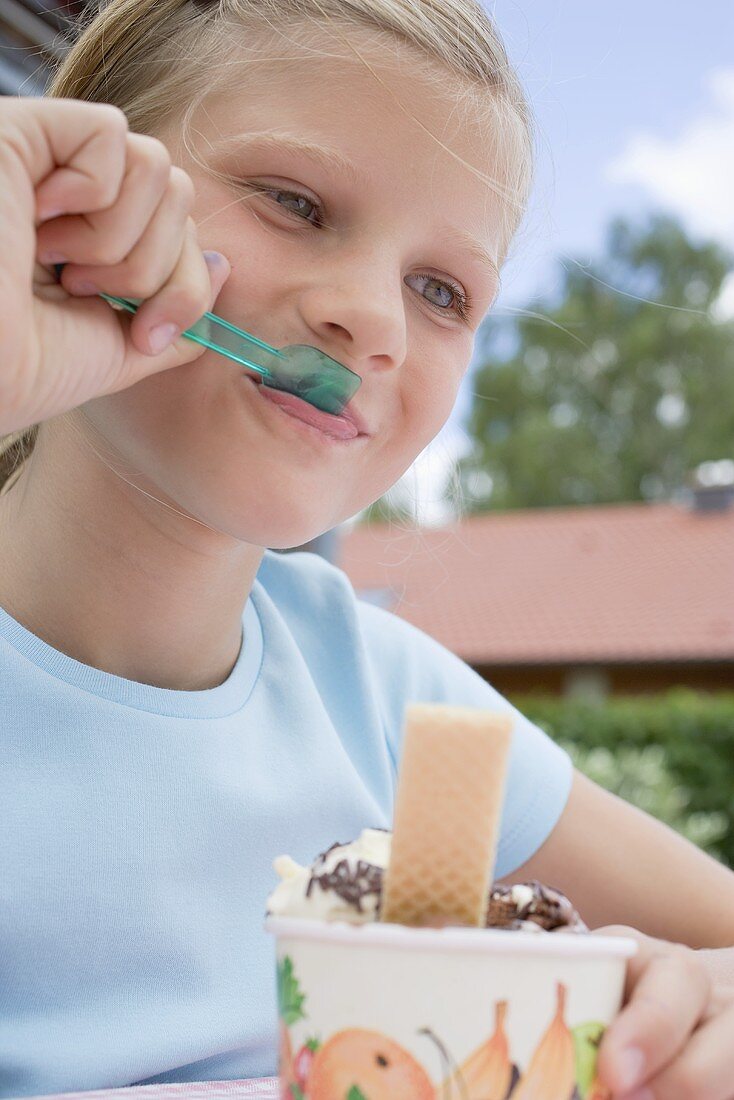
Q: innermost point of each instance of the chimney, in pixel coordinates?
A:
(711, 486)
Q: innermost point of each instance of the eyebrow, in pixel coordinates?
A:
(472, 245)
(326, 156)
(331, 158)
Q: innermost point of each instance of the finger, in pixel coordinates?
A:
(104, 238)
(74, 152)
(76, 155)
(646, 947)
(186, 297)
(705, 1069)
(153, 260)
(669, 991)
(136, 366)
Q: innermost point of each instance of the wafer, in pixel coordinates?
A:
(447, 815)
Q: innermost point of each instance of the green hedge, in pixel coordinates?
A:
(671, 754)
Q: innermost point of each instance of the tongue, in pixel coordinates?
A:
(337, 426)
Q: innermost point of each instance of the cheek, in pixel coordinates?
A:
(257, 257)
(182, 437)
(187, 437)
(159, 423)
(432, 399)
(427, 403)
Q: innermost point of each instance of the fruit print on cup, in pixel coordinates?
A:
(364, 1064)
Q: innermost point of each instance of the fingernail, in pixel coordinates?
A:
(83, 287)
(52, 258)
(630, 1070)
(214, 259)
(161, 336)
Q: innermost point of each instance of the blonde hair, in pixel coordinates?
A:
(158, 60)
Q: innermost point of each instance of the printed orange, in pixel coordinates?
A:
(366, 1062)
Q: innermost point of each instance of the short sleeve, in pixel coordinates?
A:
(409, 666)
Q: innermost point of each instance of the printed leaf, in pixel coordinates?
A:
(297, 1092)
(313, 1043)
(586, 1040)
(355, 1093)
(290, 998)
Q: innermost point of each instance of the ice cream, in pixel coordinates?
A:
(342, 883)
(532, 907)
(345, 883)
(400, 975)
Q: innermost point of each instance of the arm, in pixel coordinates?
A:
(618, 866)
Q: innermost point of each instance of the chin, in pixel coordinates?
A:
(289, 536)
(281, 526)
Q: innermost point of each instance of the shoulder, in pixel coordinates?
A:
(359, 651)
(312, 594)
(301, 578)
(403, 663)
(313, 599)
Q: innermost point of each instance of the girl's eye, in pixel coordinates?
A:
(458, 300)
(298, 201)
(454, 291)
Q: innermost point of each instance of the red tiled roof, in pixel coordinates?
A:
(630, 582)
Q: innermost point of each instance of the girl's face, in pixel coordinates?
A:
(350, 228)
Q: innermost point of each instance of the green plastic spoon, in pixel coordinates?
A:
(299, 369)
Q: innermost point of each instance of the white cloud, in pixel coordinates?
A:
(691, 173)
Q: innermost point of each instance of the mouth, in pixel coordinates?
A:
(344, 428)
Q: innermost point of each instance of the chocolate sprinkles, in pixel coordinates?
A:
(352, 884)
(547, 908)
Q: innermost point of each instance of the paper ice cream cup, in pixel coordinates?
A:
(386, 1012)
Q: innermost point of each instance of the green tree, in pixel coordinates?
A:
(613, 391)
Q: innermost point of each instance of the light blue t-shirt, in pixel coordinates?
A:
(138, 826)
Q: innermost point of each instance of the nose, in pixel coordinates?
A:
(357, 315)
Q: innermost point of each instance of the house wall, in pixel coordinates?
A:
(621, 679)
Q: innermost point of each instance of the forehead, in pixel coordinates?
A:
(363, 97)
(388, 116)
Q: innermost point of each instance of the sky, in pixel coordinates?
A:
(634, 105)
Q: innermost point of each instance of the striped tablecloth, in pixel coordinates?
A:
(264, 1088)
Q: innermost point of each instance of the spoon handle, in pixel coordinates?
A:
(300, 369)
(215, 333)
(211, 331)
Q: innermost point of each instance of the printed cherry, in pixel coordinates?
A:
(303, 1061)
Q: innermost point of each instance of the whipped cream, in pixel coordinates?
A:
(343, 883)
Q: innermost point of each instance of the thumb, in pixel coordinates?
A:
(666, 993)
(219, 271)
(183, 350)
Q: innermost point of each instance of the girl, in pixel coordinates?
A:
(177, 704)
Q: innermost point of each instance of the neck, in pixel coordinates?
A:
(127, 584)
